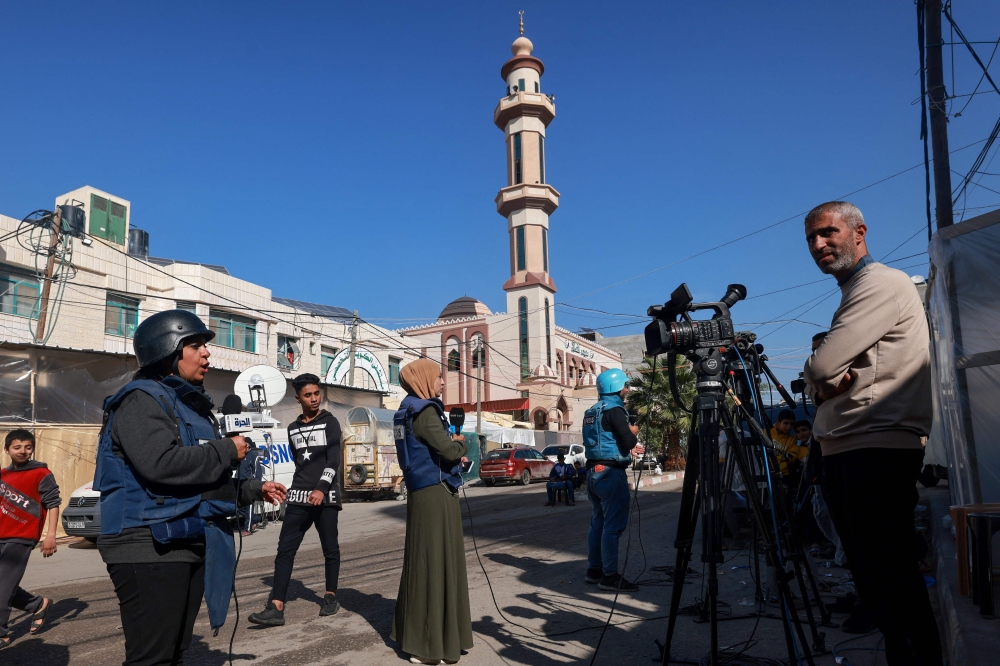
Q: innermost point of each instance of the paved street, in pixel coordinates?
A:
(535, 557)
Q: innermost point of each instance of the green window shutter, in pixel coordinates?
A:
(98, 216)
(519, 234)
(520, 84)
(116, 223)
(536, 86)
(541, 158)
(522, 315)
(545, 251)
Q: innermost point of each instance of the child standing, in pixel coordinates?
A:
(28, 492)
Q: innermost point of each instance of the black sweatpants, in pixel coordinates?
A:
(159, 603)
(13, 562)
(871, 494)
(298, 520)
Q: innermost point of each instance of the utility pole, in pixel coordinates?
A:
(936, 94)
(55, 228)
(354, 348)
(480, 356)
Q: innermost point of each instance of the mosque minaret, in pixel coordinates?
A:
(532, 370)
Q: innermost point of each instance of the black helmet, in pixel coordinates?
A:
(161, 334)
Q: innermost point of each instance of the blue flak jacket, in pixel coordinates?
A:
(127, 500)
(599, 443)
(422, 466)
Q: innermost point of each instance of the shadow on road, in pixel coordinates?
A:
(34, 651)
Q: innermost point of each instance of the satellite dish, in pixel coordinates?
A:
(260, 386)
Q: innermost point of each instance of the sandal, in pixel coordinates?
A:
(38, 617)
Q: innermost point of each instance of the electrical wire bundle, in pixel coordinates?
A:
(36, 234)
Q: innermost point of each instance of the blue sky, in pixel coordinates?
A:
(345, 153)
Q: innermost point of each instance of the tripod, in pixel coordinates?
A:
(702, 492)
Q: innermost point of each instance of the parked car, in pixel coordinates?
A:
(572, 452)
(522, 464)
(83, 515)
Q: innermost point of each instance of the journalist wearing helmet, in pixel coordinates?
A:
(168, 500)
(608, 439)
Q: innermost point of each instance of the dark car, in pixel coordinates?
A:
(522, 464)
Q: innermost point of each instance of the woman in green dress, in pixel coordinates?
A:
(432, 622)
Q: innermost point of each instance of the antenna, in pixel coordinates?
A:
(260, 387)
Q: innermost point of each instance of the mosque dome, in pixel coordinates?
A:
(544, 372)
(465, 306)
(522, 46)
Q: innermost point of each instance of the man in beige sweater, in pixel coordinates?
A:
(870, 379)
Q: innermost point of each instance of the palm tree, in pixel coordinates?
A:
(662, 423)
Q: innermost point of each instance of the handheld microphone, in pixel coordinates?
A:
(456, 416)
(235, 421)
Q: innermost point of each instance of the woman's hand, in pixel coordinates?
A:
(458, 438)
(315, 497)
(274, 493)
(49, 546)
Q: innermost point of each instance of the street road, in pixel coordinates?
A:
(535, 557)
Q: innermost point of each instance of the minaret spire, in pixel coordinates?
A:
(521, 13)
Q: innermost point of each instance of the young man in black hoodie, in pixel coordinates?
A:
(313, 499)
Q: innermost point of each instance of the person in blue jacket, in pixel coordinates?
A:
(608, 439)
(432, 622)
(168, 499)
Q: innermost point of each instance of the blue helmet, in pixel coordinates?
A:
(611, 381)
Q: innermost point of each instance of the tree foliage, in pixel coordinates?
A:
(663, 425)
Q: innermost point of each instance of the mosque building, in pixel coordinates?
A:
(531, 369)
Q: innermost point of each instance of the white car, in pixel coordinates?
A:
(572, 452)
(83, 515)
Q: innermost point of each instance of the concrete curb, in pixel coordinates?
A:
(653, 480)
(970, 639)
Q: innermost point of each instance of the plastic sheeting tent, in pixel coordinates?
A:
(964, 307)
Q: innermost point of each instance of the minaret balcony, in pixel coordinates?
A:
(523, 195)
(524, 103)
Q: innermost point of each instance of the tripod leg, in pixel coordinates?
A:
(685, 537)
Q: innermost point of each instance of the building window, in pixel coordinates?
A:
(508, 91)
(454, 361)
(520, 84)
(288, 352)
(107, 219)
(536, 86)
(545, 249)
(394, 370)
(187, 306)
(522, 315)
(548, 336)
(19, 295)
(233, 331)
(519, 236)
(541, 158)
(478, 353)
(326, 356)
(517, 158)
(121, 316)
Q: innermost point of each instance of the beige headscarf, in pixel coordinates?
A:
(420, 378)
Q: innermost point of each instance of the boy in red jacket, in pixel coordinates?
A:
(28, 492)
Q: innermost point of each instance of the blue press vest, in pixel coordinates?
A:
(598, 443)
(128, 501)
(422, 466)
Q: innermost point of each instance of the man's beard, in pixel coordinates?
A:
(844, 260)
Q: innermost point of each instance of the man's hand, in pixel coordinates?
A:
(315, 497)
(845, 385)
(458, 438)
(49, 546)
(274, 493)
(634, 429)
(241, 446)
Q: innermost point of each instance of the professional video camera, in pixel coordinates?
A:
(668, 334)
(729, 365)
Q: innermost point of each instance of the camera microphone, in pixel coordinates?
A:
(456, 416)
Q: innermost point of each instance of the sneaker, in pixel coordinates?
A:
(330, 605)
(594, 576)
(617, 584)
(269, 617)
